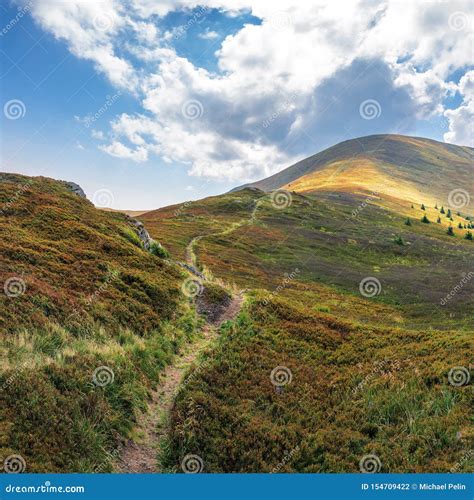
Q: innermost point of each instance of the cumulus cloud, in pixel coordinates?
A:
(461, 119)
(267, 105)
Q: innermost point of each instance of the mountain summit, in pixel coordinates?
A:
(408, 168)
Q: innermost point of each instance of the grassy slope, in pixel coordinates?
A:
(93, 298)
(307, 261)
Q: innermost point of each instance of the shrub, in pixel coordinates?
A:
(158, 250)
(450, 231)
(468, 236)
(425, 219)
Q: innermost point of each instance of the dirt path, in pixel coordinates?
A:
(140, 454)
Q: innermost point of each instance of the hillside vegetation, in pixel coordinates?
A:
(88, 321)
(407, 168)
(359, 316)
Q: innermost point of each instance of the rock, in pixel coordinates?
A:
(142, 233)
(75, 188)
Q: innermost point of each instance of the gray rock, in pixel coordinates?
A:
(142, 233)
(75, 188)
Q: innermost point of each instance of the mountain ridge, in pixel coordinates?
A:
(411, 168)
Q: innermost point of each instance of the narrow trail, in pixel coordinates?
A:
(140, 454)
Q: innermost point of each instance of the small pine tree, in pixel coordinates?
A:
(423, 207)
(460, 226)
(449, 214)
(450, 231)
(412, 206)
(468, 236)
(442, 211)
(425, 219)
(408, 222)
(439, 220)
(436, 206)
(399, 241)
(459, 214)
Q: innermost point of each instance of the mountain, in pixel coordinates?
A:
(397, 166)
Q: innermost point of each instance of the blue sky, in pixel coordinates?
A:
(158, 103)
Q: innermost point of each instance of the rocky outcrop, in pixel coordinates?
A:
(75, 188)
(142, 233)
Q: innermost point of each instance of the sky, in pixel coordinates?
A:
(147, 103)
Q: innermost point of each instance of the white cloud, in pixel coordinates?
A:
(209, 35)
(297, 48)
(461, 119)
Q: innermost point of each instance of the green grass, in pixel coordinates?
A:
(92, 297)
(351, 394)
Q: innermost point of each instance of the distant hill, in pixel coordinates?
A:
(409, 168)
